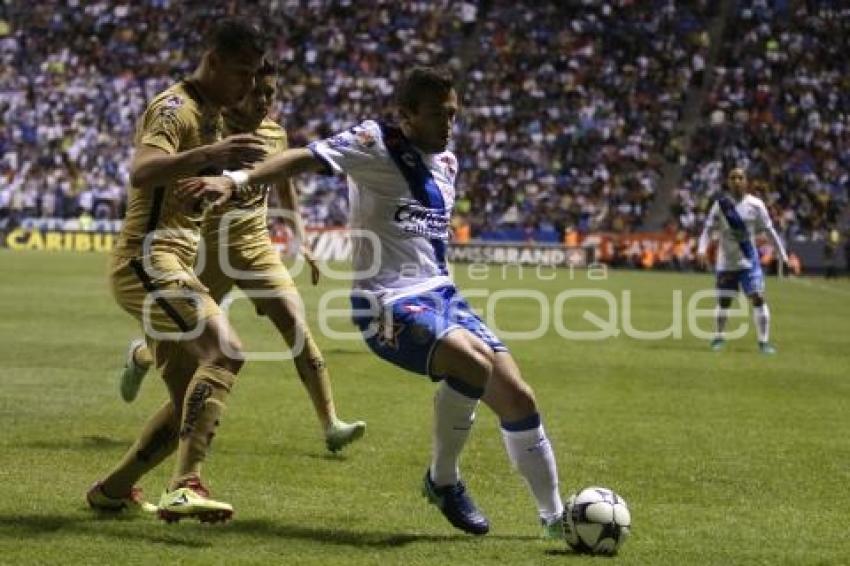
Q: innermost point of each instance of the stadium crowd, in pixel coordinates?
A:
(75, 76)
(570, 108)
(565, 127)
(779, 103)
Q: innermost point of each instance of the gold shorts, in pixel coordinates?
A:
(163, 294)
(256, 268)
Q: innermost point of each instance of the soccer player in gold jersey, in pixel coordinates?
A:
(238, 250)
(152, 276)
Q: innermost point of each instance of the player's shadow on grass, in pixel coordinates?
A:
(89, 442)
(121, 527)
(193, 535)
(369, 539)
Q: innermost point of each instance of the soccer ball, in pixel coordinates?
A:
(597, 521)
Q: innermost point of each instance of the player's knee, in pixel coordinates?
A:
(228, 356)
(480, 367)
(725, 302)
(522, 399)
(757, 299)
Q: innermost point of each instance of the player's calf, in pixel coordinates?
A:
(205, 401)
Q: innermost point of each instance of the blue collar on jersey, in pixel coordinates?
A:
(739, 228)
(419, 178)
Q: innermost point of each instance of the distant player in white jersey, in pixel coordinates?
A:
(737, 218)
(401, 184)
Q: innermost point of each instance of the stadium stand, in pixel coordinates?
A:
(570, 108)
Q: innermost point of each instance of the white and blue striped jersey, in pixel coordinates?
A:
(401, 201)
(755, 217)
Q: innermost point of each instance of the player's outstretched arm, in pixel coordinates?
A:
(284, 165)
(218, 189)
(153, 166)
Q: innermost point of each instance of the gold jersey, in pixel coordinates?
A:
(241, 222)
(175, 121)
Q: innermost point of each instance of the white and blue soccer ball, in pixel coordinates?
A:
(598, 521)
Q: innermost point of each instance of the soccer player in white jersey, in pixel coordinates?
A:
(401, 187)
(737, 217)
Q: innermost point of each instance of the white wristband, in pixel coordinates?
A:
(239, 178)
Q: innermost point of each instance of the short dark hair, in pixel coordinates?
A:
(420, 82)
(234, 37)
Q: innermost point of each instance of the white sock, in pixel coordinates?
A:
(720, 316)
(761, 316)
(531, 454)
(454, 414)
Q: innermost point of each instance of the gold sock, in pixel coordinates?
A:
(203, 405)
(156, 442)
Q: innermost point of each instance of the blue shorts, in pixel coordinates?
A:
(406, 332)
(750, 280)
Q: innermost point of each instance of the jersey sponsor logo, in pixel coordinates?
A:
(414, 218)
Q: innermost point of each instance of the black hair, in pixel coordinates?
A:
(420, 82)
(235, 37)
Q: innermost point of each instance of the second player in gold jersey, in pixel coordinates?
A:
(237, 250)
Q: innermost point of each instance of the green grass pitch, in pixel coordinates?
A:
(724, 458)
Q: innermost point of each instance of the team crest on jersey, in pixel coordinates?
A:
(172, 102)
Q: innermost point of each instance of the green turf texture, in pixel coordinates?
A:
(724, 458)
